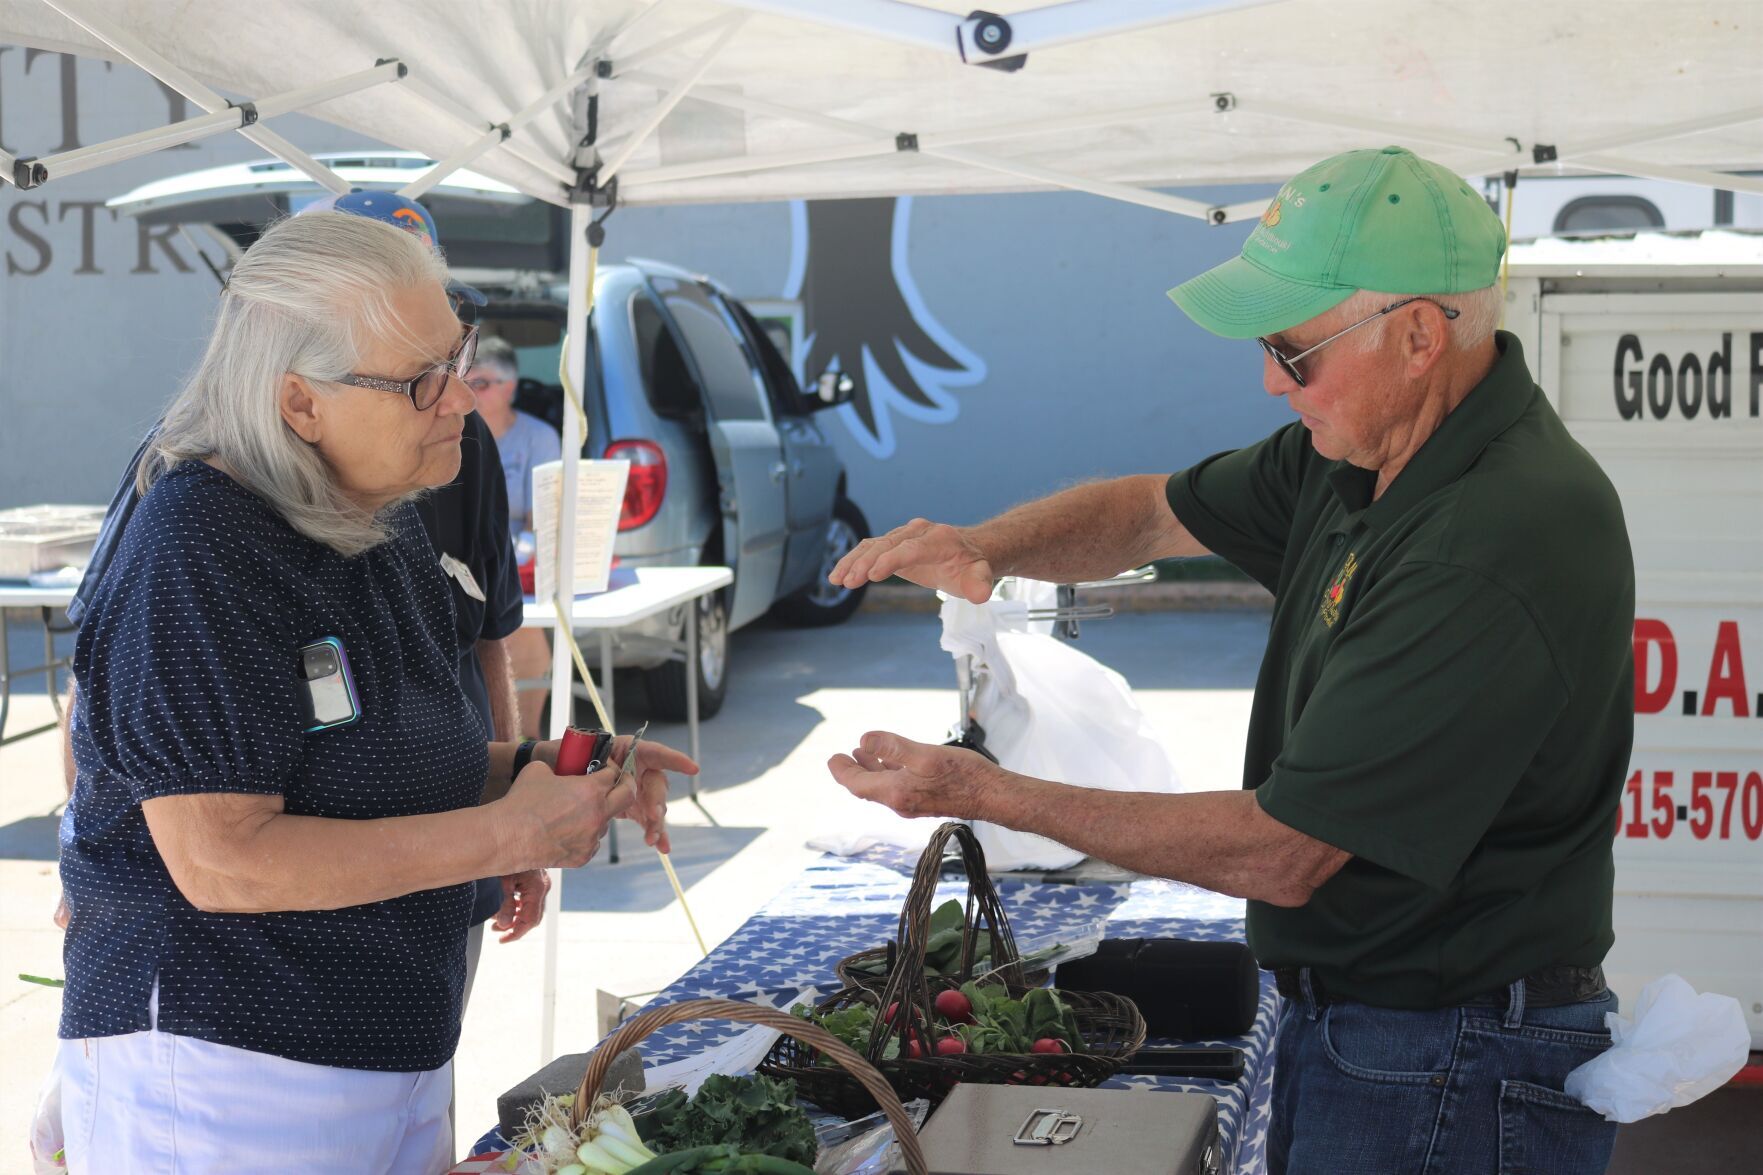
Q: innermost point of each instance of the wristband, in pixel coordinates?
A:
(523, 754)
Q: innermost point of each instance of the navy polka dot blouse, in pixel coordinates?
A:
(188, 666)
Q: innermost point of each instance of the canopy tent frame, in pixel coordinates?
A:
(588, 181)
(141, 54)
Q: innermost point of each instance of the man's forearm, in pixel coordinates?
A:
(1222, 841)
(1090, 531)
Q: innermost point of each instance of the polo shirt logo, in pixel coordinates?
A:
(1331, 599)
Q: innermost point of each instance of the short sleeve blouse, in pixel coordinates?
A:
(188, 667)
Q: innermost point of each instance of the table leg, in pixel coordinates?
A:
(51, 663)
(5, 675)
(692, 701)
(611, 721)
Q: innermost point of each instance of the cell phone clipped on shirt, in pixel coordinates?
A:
(330, 698)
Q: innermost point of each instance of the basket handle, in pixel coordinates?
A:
(906, 976)
(640, 1026)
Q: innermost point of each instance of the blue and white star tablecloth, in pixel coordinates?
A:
(839, 906)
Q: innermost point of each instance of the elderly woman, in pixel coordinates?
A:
(266, 951)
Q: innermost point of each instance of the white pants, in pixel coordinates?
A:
(157, 1104)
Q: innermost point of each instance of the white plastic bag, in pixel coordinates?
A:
(1680, 1046)
(1048, 711)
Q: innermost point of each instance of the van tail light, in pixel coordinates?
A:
(647, 485)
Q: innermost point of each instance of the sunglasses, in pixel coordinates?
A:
(1289, 363)
(425, 390)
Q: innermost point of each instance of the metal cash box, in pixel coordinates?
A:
(1027, 1130)
(44, 538)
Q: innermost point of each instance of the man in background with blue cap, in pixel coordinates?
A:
(1443, 717)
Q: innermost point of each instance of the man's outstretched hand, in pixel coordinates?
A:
(933, 554)
(914, 779)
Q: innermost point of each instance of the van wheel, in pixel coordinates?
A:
(666, 684)
(822, 603)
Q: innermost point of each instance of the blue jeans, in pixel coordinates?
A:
(1459, 1091)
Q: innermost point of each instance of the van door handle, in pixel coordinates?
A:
(778, 469)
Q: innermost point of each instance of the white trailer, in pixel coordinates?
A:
(1651, 348)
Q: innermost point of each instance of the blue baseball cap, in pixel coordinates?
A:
(397, 210)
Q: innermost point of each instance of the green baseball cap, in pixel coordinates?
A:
(1367, 220)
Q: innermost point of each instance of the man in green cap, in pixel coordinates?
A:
(1444, 713)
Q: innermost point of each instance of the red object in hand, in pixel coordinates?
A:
(528, 572)
(573, 755)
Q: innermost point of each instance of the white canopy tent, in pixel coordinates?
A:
(594, 103)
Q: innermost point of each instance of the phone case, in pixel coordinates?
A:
(330, 701)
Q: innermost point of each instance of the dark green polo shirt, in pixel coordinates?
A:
(1447, 693)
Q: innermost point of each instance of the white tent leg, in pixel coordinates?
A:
(562, 669)
(138, 52)
(205, 126)
(496, 134)
(665, 106)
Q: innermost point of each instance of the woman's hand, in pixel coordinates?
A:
(523, 903)
(556, 821)
(648, 782)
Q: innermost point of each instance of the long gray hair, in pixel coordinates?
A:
(307, 298)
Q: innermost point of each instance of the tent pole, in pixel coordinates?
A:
(207, 125)
(581, 294)
(1719, 180)
(499, 133)
(1712, 122)
(665, 107)
(667, 44)
(453, 109)
(184, 83)
(879, 141)
(1046, 27)
(1125, 192)
(1400, 131)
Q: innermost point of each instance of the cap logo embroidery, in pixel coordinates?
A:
(1331, 599)
(1271, 216)
(409, 219)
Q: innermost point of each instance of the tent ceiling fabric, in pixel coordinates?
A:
(1561, 72)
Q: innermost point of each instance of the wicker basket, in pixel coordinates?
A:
(1110, 1025)
(860, 1072)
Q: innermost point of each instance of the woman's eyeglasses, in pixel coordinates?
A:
(426, 388)
(1289, 364)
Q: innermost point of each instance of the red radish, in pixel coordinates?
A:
(950, 1046)
(1047, 1044)
(954, 1007)
(913, 1048)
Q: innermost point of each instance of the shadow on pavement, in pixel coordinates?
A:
(32, 839)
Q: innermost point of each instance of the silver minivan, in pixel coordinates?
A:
(729, 464)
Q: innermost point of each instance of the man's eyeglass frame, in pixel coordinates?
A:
(423, 398)
(1289, 364)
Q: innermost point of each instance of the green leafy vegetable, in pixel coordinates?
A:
(748, 1114)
